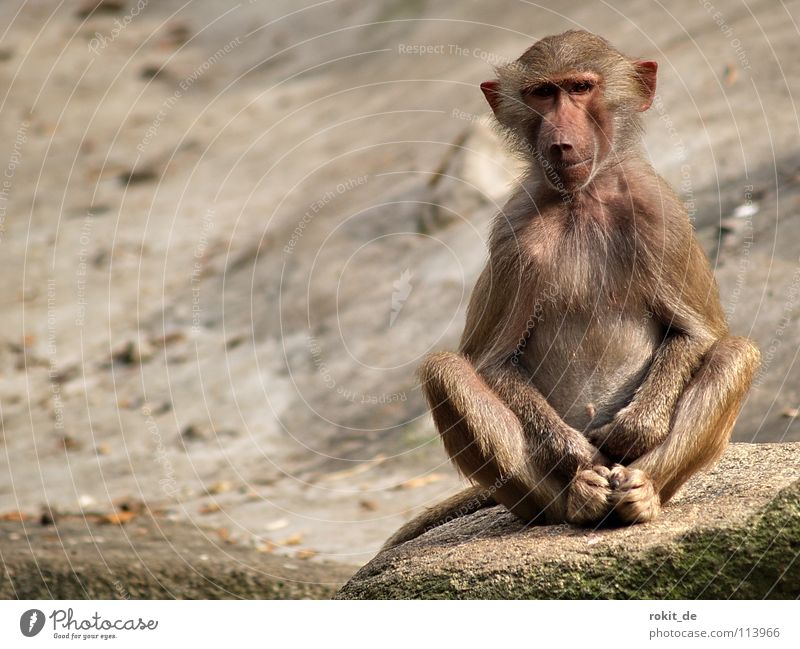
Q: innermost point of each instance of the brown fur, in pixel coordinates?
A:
(596, 373)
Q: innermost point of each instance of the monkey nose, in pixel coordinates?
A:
(560, 149)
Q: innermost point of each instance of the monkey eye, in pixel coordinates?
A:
(580, 87)
(543, 90)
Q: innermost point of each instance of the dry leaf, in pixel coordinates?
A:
(294, 539)
(209, 508)
(117, 518)
(305, 554)
(729, 75)
(70, 443)
(416, 483)
(14, 516)
(356, 470)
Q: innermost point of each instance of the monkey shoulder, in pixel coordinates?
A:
(522, 222)
(653, 212)
(527, 243)
(655, 198)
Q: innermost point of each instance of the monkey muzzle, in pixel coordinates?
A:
(567, 174)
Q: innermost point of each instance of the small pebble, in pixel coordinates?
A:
(221, 487)
(278, 524)
(209, 508)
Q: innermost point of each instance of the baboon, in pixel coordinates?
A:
(596, 372)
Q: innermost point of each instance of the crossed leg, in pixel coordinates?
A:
(501, 433)
(704, 416)
(699, 430)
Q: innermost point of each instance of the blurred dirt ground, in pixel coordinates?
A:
(230, 232)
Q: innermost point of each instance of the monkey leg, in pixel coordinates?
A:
(701, 425)
(489, 444)
(558, 448)
(644, 424)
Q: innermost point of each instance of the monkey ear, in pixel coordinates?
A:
(647, 74)
(491, 90)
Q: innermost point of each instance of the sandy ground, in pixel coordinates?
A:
(230, 232)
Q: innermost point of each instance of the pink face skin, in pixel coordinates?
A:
(574, 130)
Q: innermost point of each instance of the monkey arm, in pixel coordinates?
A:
(688, 306)
(494, 323)
(645, 422)
(555, 448)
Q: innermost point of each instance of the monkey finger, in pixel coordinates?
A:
(630, 483)
(598, 436)
(592, 478)
(617, 475)
(602, 470)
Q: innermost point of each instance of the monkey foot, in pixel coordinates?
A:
(588, 496)
(633, 497)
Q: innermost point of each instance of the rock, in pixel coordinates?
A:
(149, 559)
(144, 174)
(219, 487)
(133, 352)
(731, 532)
(98, 7)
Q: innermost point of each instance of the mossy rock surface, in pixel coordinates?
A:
(150, 559)
(732, 532)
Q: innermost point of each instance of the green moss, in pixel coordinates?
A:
(752, 561)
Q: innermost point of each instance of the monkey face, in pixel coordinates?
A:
(570, 130)
(570, 103)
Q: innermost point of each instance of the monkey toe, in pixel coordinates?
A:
(633, 498)
(641, 510)
(588, 497)
(622, 478)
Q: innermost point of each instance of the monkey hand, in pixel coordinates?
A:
(588, 495)
(629, 435)
(633, 497)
